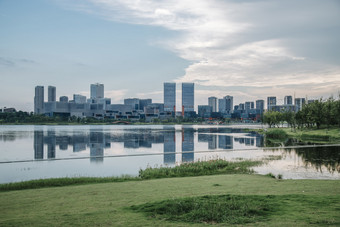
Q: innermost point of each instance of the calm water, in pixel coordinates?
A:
(34, 152)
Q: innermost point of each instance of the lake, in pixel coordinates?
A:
(34, 152)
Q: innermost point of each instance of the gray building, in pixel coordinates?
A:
(134, 102)
(63, 99)
(51, 94)
(299, 102)
(288, 100)
(144, 103)
(169, 97)
(271, 101)
(204, 111)
(39, 100)
(260, 106)
(188, 97)
(226, 104)
(249, 105)
(79, 98)
(212, 101)
(97, 91)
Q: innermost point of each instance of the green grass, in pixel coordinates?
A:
(240, 209)
(60, 182)
(232, 209)
(304, 202)
(200, 168)
(184, 170)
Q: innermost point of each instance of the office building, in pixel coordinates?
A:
(51, 94)
(79, 98)
(212, 101)
(169, 97)
(39, 100)
(260, 106)
(204, 111)
(249, 105)
(288, 100)
(97, 91)
(271, 102)
(188, 97)
(134, 102)
(226, 105)
(299, 102)
(63, 99)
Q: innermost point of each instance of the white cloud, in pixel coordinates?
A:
(248, 44)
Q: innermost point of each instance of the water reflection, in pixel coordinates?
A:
(319, 157)
(97, 140)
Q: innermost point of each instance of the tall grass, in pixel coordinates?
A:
(199, 168)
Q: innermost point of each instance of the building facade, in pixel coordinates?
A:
(39, 100)
(188, 98)
(271, 102)
(169, 94)
(51, 94)
(212, 101)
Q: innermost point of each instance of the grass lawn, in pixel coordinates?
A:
(298, 202)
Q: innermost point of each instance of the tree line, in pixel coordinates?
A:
(314, 114)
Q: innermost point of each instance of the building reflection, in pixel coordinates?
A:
(97, 140)
(187, 145)
(169, 145)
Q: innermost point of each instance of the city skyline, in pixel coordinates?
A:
(249, 50)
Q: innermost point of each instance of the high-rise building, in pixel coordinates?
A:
(51, 94)
(212, 101)
(299, 102)
(271, 102)
(226, 105)
(260, 105)
(63, 99)
(241, 106)
(39, 100)
(97, 91)
(169, 97)
(288, 100)
(188, 97)
(79, 98)
(249, 105)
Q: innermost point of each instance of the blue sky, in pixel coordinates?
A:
(248, 49)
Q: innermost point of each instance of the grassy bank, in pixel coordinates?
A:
(296, 202)
(199, 168)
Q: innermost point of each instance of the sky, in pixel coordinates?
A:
(250, 49)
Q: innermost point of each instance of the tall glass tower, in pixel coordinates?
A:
(39, 100)
(97, 91)
(187, 97)
(170, 97)
(51, 94)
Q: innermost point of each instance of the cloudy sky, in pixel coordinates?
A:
(248, 49)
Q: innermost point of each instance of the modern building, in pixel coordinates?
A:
(134, 102)
(226, 105)
(39, 100)
(249, 105)
(212, 101)
(271, 102)
(97, 91)
(63, 99)
(188, 98)
(288, 100)
(169, 97)
(51, 94)
(299, 102)
(204, 111)
(79, 98)
(260, 106)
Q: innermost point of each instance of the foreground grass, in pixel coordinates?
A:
(199, 168)
(108, 204)
(242, 209)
